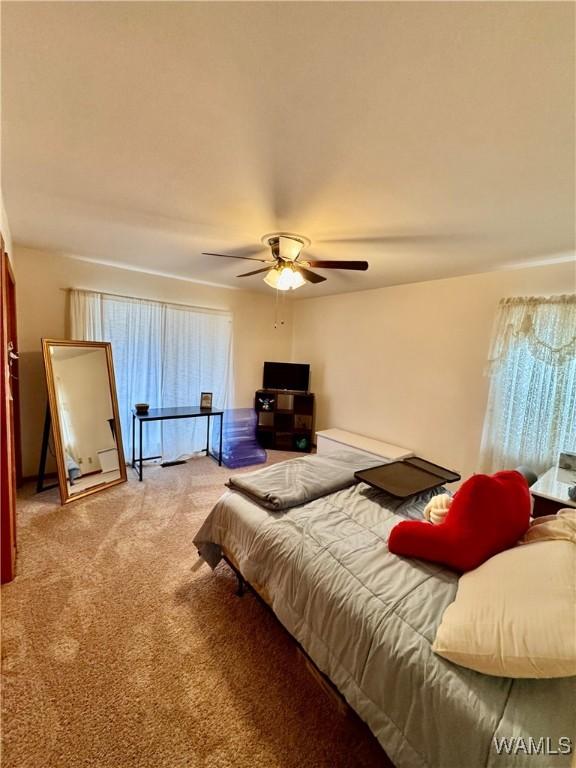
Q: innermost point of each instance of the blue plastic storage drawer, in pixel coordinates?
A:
(239, 445)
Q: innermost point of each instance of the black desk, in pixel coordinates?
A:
(164, 414)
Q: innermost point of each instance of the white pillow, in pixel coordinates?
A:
(515, 615)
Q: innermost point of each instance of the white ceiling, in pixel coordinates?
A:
(145, 133)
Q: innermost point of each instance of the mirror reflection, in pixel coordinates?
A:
(84, 417)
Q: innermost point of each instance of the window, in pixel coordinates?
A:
(531, 414)
(165, 355)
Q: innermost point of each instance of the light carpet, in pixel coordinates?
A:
(115, 654)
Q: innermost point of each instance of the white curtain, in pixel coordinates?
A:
(165, 355)
(531, 413)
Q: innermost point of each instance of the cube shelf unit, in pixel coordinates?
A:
(285, 419)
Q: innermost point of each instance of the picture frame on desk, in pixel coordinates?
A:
(206, 401)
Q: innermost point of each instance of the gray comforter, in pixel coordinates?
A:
(291, 483)
(367, 619)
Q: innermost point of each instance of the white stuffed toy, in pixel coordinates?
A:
(436, 509)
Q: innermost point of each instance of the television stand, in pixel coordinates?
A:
(285, 391)
(285, 419)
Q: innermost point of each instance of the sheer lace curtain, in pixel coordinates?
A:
(165, 355)
(531, 414)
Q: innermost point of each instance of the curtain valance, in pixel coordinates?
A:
(546, 324)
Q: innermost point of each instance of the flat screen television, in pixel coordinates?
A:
(294, 376)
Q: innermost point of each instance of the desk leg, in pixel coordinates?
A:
(140, 472)
(220, 449)
(208, 435)
(133, 440)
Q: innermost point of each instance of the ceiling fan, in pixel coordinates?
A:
(287, 270)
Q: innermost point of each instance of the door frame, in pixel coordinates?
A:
(10, 463)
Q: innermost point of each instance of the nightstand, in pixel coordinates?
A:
(550, 492)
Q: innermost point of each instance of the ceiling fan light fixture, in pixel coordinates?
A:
(297, 280)
(284, 278)
(292, 277)
(271, 278)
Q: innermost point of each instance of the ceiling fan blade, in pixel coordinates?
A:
(362, 266)
(249, 250)
(394, 239)
(312, 277)
(230, 256)
(255, 272)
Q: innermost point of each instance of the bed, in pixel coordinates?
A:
(367, 619)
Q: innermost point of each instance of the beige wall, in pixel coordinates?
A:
(405, 364)
(5, 230)
(42, 312)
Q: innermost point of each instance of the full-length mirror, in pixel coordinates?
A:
(84, 413)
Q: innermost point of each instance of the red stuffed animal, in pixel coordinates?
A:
(488, 514)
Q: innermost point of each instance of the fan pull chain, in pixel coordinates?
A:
(276, 299)
(280, 299)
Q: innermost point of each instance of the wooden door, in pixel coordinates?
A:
(9, 419)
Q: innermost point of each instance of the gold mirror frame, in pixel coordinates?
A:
(65, 496)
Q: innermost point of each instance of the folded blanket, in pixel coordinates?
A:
(298, 481)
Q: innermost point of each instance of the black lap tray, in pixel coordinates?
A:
(407, 477)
